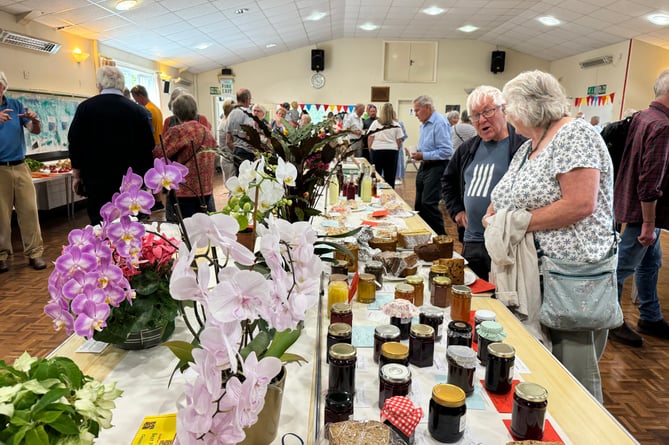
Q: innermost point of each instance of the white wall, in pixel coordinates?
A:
(646, 64)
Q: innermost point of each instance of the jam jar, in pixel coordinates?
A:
(436, 270)
(404, 291)
(342, 358)
(394, 380)
(339, 267)
(404, 325)
(338, 333)
(338, 407)
(337, 291)
(529, 410)
(352, 263)
(434, 317)
(499, 369)
(461, 302)
(341, 313)
(376, 269)
(383, 334)
(446, 419)
(480, 316)
(459, 333)
(461, 367)
(394, 352)
(440, 291)
(421, 345)
(366, 288)
(489, 332)
(418, 288)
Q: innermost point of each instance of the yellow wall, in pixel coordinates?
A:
(646, 64)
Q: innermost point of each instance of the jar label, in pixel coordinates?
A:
(463, 422)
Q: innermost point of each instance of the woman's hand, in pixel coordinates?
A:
(488, 213)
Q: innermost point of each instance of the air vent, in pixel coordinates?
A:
(597, 61)
(27, 42)
(183, 82)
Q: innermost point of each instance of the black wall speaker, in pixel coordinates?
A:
(497, 63)
(166, 87)
(317, 60)
(226, 71)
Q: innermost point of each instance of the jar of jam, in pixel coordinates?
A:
(480, 316)
(499, 369)
(383, 334)
(351, 262)
(436, 270)
(366, 288)
(421, 345)
(446, 418)
(338, 333)
(394, 380)
(342, 358)
(341, 313)
(440, 294)
(461, 367)
(376, 269)
(404, 325)
(434, 317)
(529, 410)
(337, 291)
(338, 407)
(339, 267)
(489, 332)
(459, 333)
(404, 291)
(394, 352)
(418, 288)
(461, 302)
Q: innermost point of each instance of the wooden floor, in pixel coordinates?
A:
(635, 380)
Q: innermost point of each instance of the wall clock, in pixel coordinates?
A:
(317, 80)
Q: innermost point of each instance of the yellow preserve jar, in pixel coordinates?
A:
(418, 288)
(337, 293)
(404, 291)
(367, 288)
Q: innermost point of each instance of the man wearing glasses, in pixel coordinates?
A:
(474, 170)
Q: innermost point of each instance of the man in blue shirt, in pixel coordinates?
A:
(16, 185)
(434, 151)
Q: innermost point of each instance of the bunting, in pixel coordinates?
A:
(596, 101)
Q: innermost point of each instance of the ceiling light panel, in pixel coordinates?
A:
(549, 20)
(660, 19)
(433, 10)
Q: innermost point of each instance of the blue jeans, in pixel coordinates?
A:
(645, 263)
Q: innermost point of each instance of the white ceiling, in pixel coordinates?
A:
(170, 30)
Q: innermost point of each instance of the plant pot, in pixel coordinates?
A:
(147, 338)
(247, 238)
(264, 431)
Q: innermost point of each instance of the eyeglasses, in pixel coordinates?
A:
(485, 113)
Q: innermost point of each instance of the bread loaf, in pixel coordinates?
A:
(383, 244)
(350, 432)
(409, 239)
(440, 247)
(456, 269)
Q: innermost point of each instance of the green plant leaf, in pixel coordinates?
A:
(181, 349)
(259, 344)
(37, 436)
(20, 435)
(47, 416)
(48, 398)
(282, 341)
(65, 425)
(292, 358)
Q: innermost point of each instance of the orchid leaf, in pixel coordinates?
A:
(293, 358)
(282, 341)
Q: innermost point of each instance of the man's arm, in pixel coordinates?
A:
(34, 125)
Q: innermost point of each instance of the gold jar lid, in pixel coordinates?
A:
(422, 330)
(450, 396)
(461, 289)
(442, 281)
(404, 288)
(342, 351)
(394, 350)
(439, 268)
(414, 279)
(502, 350)
(341, 308)
(339, 330)
(531, 392)
(367, 277)
(338, 277)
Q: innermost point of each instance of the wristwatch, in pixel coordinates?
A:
(317, 80)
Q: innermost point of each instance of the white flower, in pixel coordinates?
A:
(24, 362)
(286, 172)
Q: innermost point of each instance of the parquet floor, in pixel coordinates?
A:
(635, 381)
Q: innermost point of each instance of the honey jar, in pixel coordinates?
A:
(404, 291)
(418, 288)
(461, 302)
(366, 288)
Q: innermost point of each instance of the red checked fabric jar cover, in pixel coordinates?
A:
(401, 413)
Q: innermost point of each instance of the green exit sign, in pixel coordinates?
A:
(214, 90)
(596, 90)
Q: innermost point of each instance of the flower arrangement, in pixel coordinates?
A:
(50, 401)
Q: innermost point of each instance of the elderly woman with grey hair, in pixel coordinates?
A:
(190, 143)
(171, 121)
(562, 176)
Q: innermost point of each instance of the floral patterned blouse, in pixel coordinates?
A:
(532, 183)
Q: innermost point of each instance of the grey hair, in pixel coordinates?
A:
(661, 86)
(482, 94)
(110, 77)
(178, 91)
(184, 107)
(423, 101)
(453, 114)
(3, 79)
(535, 98)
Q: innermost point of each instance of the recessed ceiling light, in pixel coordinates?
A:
(433, 10)
(203, 45)
(549, 20)
(315, 16)
(368, 26)
(125, 5)
(241, 11)
(659, 19)
(270, 45)
(468, 28)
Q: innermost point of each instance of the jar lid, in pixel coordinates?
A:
(374, 265)
(338, 277)
(531, 392)
(404, 288)
(341, 308)
(338, 400)
(484, 315)
(430, 311)
(367, 277)
(447, 395)
(459, 326)
(461, 289)
(491, 330)
(414, 279)
(463, 356)
(387, 331)
(339, 329)
(438, 268)
(442, 281)
(422, 330)
(395, 350)
(501, 350)
(342, 351)
(395, 373)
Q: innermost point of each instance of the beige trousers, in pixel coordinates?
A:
(18, 191)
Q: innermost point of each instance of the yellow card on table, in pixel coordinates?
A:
(157, 430)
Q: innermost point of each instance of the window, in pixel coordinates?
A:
(147, 79)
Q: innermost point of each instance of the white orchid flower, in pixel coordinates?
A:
(286, 172)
